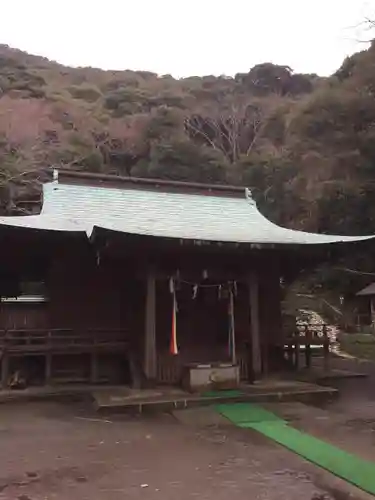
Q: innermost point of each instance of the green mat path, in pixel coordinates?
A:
(356, 471)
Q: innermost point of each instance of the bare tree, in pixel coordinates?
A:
(365, 29)
(234, 131)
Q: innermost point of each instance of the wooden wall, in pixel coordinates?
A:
(90, 292)
(19, 316)
(87, 292)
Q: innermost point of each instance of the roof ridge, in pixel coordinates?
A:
(73, 176)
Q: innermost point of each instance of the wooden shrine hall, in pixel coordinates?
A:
(142, 282)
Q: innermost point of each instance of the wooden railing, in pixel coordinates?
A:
(61, 340)
(305, 340)
(169, 369)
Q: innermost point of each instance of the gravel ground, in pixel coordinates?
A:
(349, 421)
(51, 451)
(66, 452)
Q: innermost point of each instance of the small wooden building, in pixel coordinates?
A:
(122, 280)
(367, 317)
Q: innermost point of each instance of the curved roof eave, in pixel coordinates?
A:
(46, 223)
(272, 242)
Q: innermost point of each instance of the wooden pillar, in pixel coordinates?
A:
(326, 351)
(94, 368)
(255, 326)
(297, 350)
(272, 332)
(48, 373)
(308, 340)
(372, 310)
(150, 368)
(4, 370)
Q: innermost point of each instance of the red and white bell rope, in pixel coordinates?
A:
(173, 347)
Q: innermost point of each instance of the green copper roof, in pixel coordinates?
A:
(161, 213)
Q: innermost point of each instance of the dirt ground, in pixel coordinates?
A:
(67, 452)
(348, 422)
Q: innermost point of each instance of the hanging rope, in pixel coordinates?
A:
(211, 285)
(173, 347)
(201, 285)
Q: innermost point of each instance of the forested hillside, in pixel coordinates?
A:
(304, 144)
(206, 129)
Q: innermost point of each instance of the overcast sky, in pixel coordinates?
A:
(187, 37)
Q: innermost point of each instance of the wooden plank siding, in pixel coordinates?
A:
(23, 316)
